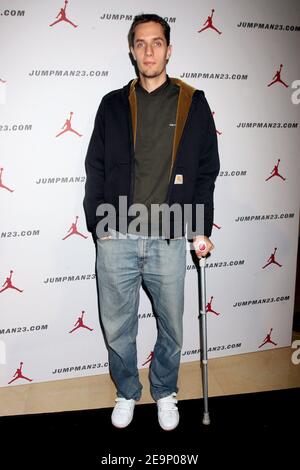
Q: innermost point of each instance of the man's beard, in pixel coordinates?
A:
(150, 74)
(153, 74)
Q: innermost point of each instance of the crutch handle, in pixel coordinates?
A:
(200, 245)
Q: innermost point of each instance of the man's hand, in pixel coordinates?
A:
(198, 241)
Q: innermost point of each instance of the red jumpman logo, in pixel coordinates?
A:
(275, 172)
(73, 230)
(218, 132)
(217, 226)
(68, 127)
(8, 284)
(149, 358)
(80, 324)
(18, 374)
(272, 260)
(268, 339)
(1, 183)
(2, 81)
(277, 78)
(63, 17)
(209, 24)
(209, 309)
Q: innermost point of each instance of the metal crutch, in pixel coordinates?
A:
(203, 335)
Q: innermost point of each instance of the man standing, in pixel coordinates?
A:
(154, 143)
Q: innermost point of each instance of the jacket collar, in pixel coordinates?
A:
(133, 106)
(184, 103)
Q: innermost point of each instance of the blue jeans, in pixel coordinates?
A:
(122, 265)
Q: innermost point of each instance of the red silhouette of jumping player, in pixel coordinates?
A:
(8, 284)
(275, 172)
(218, 132)
(277, 78)
(1, 184)
(73, 230)
(63, 17)
(268, 339)
(149, 358)
(209, 23)
(272, 260)
(209, 309)
(217, 226)
(18, 374)
(68, 127)
(80, 324)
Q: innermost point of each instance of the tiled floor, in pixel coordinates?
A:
(255, 372)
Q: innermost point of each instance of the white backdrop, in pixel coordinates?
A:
(48, 72)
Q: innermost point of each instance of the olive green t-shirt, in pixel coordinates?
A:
(156, 121)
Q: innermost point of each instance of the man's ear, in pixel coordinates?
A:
(169, 52)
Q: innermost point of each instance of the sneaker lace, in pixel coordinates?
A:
(168, 403)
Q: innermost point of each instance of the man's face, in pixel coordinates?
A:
(150, 49)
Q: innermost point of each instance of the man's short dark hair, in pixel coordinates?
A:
(145, 18)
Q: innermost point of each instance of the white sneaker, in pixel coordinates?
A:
(168, 415)
(123, 412)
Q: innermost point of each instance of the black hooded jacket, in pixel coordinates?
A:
(110, 157)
